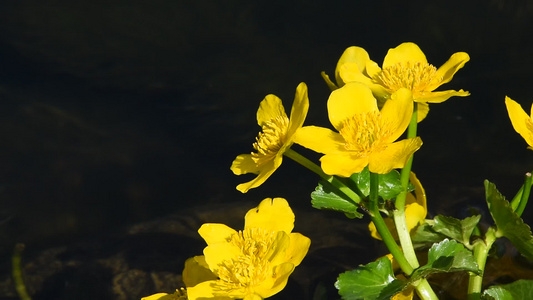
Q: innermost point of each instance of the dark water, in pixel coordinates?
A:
(116, 113)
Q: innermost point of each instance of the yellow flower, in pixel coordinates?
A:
(254, 263)
(366, 136)
(522, 122)
(405, 66)
(276, 137)
(178, 295)
(353, 57)
(415, 210)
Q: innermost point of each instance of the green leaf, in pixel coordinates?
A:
(460, 230)
(325, 198)
(425, 236)
(509, 224)
(447, 256)
(372, 281)
(389, 184)
(520, 289)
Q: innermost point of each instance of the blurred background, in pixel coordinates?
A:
(116, 113)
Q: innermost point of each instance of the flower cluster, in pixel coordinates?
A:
(365, 165)
(253, 263)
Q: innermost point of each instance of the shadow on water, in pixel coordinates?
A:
(114, 116)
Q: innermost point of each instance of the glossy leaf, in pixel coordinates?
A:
(424, 236)
(326, 198)
(509, 224)
(447, 256)
(372, 281)
(520, 289)
(460, 230)
(389, 184)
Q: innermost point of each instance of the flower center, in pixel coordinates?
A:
(251, 266)
(365, 133)
(269, 142)
(415, 76)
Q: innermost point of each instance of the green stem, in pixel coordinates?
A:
(382, 228)
(399, 213)
(525, 194)
(425, 291)
(354, 195)
(481, 251)
(17, 273)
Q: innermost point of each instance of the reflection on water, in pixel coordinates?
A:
(117, 114)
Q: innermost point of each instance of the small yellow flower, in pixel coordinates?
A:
(405, 66)
(254, 263)
(415, 210)
(522, 122)
(276, 137)
(366, 136)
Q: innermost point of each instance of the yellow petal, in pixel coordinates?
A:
(372, 68)
(349, 72)
(343, 163)
(394, 157)
(271, 214)
(520, 120)
(204, 290)
(214, 233)
(299, 109)
(353, 98)
(397, 112)
(215, 254)
(159, 296)
(299, 245)
(404, 53)
(244, 164)
(448, 69)
(277, 252)
(252, 297)
(440, 96)
(420, 192)
(267, 169)
(332, 86)
(319, 139)
(357, 57)
(270, 108)
(414, 214)
(274, 284)
(196, 271)
(422, 111)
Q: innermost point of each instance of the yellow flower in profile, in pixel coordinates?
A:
(354, 58)
(276, 137)
(415, 210)
(366, 136)
(405, 66)
(522, 122)
(254, 263)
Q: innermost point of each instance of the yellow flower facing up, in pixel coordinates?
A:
(522, 122)
(254, 263)
(415, 210)
(276, 137)
(366, 136)
(405, 66)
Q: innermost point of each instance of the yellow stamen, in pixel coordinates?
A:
(271, 139)
(414, 76)
(365, 133)
(252, 266)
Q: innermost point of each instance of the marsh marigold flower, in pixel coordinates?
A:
(254, 263)
(522, 122)
(366, 136)
(405, 66)
(276, 137)
(415, 210)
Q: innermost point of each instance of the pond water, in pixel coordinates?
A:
(115, 114)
